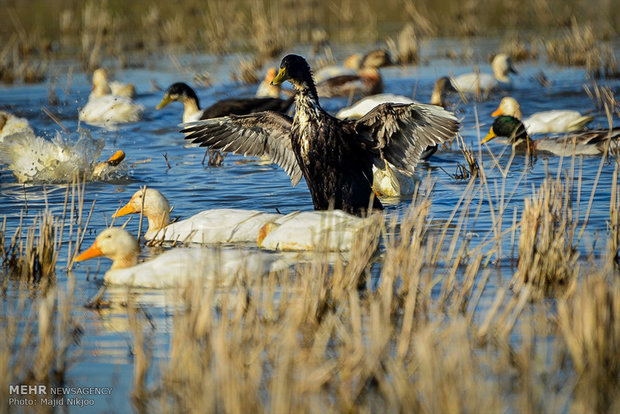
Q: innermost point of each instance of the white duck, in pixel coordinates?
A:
(330, 230)
(101, 86)
(104, 108)
(554, 121)
(484, 82)
(177, 266)
(207, 227)
(35, 159)
(11, 124)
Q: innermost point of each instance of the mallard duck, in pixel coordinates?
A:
(367, 81)
(207, 227)
(589, 142)
(377, 58)
(177, 266)
(332, 230)
(556, 120)
(11, 124)
(36, 159)
(374, 59)
(335, 156)
(106, 109)
(484, 82)
(183, 93)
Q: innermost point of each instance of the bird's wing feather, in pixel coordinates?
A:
(399, 133)
(257, 134)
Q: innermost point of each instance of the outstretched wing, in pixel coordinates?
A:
(257, 134)
(399, 133)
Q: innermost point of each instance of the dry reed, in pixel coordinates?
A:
(588, 321)
(432, 329)
(547, 254)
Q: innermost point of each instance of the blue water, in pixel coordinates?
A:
(105, 357)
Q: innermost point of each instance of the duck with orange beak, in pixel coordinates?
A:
(177, 266)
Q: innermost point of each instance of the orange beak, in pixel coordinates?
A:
(497, 112)
(126, 209)
(117, 158)
(92, 251)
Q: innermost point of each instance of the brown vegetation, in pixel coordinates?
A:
(424, 331)
(124, 32)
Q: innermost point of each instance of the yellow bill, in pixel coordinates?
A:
(126, 209)
(116, 158)
(280, 77)
(92, 251)
(489, 136)
(165, 101)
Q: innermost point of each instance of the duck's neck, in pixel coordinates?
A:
(158, 220)
(306, 91)
(100, 89)
(524, 144)
(501, 75)
(437, 97)
(191, 107)
(128, 260)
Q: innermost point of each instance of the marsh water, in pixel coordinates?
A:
(158, 157)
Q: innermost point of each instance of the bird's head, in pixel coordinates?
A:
(179, 91)
(296, 70)
(506, 126)
(114, 243)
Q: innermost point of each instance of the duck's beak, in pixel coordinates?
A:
(489, 136)
(127, 209)
(280, 77)
(92, 251)
(116, 159)
(165, 101)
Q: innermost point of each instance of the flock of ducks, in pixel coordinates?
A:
(366, 151)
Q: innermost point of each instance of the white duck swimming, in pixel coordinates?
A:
(11, 124)
(101, 86)
(104, 108)
(484, 82)
(554, 121)
(329, 230)
(36, 159)
(176, 266)
(207, 227)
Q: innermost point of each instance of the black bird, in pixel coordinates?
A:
(334, 156)
(586, 142)
(183, 93)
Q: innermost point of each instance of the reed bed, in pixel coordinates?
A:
(123, 33)
(422, 324)
(432, 330)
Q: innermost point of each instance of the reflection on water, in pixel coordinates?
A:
(156, 155)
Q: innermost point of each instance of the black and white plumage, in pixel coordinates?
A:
(334, 156)
(183, 93)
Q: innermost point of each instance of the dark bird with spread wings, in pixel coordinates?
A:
(334, 156)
